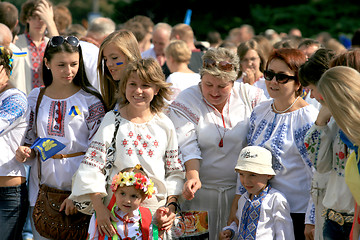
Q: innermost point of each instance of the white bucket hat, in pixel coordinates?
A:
(255, 159)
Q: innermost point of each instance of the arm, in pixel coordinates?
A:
(283, 226)
(319, 142)
(103, 216)
(193, 182)
(46, 13)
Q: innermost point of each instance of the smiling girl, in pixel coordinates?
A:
(69, 111)
(116, 51)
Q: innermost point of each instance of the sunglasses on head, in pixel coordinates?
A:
(58, 40)
(222, 65)
(279, 77)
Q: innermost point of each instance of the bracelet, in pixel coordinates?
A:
(175, 204)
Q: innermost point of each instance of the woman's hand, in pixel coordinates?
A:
(103, 216)
(309, 231)
(249, 76)
(69, 207)
(23, 153)
(190, 188)
(323, 117)
(164, 218)
(193, 182)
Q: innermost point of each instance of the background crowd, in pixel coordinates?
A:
(183, 108)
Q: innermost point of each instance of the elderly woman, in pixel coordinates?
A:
(212, 121)
(280, 125)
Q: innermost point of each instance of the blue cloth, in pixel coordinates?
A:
(14, 206)
(47, 147)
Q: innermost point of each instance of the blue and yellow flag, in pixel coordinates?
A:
(47, 147)
(74, 111)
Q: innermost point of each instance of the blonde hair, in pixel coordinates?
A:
(149, 71)
(340, 87)
(179, 51)
(128, 45)
(221, 54)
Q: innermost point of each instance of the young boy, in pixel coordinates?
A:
(263, 211)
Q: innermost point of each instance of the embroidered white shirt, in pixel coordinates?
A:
(14, 113)
(274, 220)
(181, 81)
(328, 153)
(75, 132)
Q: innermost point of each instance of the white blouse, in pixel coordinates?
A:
(283, 134)
(329, 153)
(181, 81)
(14, 112)
(261, 83)
(200, 128)
(274, 221)
(152, 144)
(54, 120)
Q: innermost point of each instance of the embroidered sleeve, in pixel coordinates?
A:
(174, 169)
(299, 136)
(96, 114)
(12, 108)
(283, 227)
(318, 143)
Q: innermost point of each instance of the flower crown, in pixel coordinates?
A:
(126, 179)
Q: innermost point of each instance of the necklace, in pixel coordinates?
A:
(285, 109)
(221, 142)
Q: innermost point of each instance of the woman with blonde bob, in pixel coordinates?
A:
(144, 136)
(116, 51)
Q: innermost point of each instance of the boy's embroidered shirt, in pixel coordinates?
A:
(250, 215)
(267, 216)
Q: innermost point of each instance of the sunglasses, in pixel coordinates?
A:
(222, 65)
(58, 40)
(280, 77)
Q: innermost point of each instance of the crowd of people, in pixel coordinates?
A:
(109, 131)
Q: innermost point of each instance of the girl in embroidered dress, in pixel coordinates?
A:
(212, 121)
(116, 51)
(131, 187)
(280, 125)
(145, 136)
(13, 115)
(70, 111)
(263, 211)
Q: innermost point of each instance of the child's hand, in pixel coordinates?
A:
(23, 153)
(224, 235)
(164, 218)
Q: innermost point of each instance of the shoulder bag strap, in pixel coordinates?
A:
(40, 96)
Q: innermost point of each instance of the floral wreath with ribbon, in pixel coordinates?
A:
(140, 181)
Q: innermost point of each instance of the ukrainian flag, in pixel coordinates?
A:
(47, 147)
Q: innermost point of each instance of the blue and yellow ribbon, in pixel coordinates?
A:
(74, 111)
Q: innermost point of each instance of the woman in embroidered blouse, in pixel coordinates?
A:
(326, 149)
(339, 90)
(252, 64)
(116, 51)
(280, 125)
(212, 121)
(37, 16)
(145, 136)
(70, 112)
(14, 110)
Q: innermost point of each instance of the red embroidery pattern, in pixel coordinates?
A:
(187, 111)
(36, 55)
(56, 118)
(96, 113)
(95, 155)
(172, 161)
(139, 145)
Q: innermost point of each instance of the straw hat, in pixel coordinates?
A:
(255, 159)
